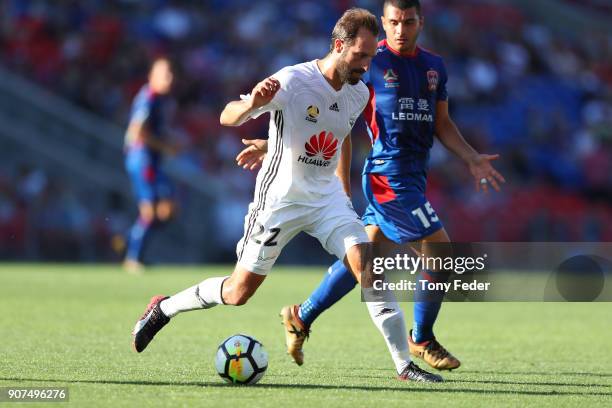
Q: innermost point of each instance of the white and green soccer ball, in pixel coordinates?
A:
(241, 359)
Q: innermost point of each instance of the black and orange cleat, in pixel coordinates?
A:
(413, 372)
(295, 332)
(433, 353)
(152, 321)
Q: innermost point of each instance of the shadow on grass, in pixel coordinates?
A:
(559, 384)
(453, 379)
(422, 388)
(555, 373)
(495, 372)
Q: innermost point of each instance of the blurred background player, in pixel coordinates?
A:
(145, 147)
(408, 105)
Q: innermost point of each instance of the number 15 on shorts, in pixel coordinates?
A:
(425, 214)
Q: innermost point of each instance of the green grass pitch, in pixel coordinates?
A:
(69, 326)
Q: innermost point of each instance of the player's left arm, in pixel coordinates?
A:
(479, 164)
(343, 170)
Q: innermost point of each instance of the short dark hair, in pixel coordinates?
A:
(348, 25)
(403, 4)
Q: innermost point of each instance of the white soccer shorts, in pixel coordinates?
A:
(335, 225)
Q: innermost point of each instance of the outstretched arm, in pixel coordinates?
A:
(236, 113)
(479, 164)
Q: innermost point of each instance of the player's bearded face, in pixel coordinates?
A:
(347, 73)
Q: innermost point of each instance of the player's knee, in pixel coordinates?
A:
(164, 211)
(146, 212)
(359, 257)
(358, 260)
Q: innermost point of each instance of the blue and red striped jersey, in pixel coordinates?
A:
(401, 112)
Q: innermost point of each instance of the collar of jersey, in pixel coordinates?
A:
(327, 84)
(413, 55)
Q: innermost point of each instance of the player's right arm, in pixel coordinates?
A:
(236, 113)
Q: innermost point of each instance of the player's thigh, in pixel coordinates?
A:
(142, 175)
(358, 260)
(437, 245)
(434, 245)
(164, 209)
(146, 211)
(439, 236)
(266, 232)
(337, 226)
(241, 285)
(164, 195)
(381, 245)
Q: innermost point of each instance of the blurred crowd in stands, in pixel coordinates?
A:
(540, 98)
(43, 217)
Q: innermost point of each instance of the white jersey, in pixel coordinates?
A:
(308, 123)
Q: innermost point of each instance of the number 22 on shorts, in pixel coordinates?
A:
(270, 240)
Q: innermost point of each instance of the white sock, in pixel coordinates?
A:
(389, 319)
(204, 295)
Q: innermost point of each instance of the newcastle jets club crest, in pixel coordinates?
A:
(432, 80)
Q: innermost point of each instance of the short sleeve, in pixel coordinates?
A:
(282, 98)
(442, 93)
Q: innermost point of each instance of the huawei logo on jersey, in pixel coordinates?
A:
(324, 145)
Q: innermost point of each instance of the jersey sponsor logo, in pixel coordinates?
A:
(418, 117)
(313, 161)
(312, 112)
(413, 109)
(432, 80)
(334, 107)
(391, 79)
(320, 149)
(324, 144)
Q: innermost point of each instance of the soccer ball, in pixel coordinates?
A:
(241, 359)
